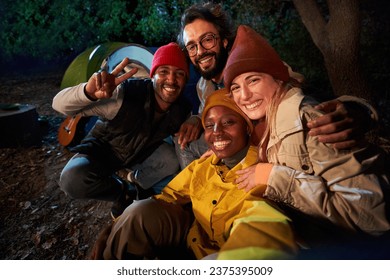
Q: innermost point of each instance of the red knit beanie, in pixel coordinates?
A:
(170, 54)
(252, 53)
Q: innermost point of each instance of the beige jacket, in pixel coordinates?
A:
(343, 187)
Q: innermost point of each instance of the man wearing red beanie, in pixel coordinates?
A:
(207, 34)
(136, 115)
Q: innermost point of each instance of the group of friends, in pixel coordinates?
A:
(261, 172)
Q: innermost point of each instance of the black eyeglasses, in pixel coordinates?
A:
(207, 42)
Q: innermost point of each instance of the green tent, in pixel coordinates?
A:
(86, 63)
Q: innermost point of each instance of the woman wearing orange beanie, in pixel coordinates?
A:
(202, 209)
(308, 178)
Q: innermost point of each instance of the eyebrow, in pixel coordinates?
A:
(227, 115)
(201, 37)
(164, 67)
(247, 78)
(251, 76)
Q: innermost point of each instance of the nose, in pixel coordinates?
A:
(199, 49)
(245, 92)
(171, 77)
(217, 129)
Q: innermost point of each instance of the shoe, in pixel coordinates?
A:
(123, 173)
(129, 176)
(125, 199)
(132, 177)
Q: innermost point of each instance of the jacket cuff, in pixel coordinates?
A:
(86, 95)
(361, 105)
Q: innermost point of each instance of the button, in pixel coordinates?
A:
(214, 202)
(194, 239)
(305, 167)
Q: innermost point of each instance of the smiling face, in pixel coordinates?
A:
(253, 93)
(168, 83)
(211, 62)
(226, 131)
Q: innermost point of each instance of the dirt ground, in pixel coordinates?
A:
(37, 220)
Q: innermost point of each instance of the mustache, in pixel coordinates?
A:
(204, 55)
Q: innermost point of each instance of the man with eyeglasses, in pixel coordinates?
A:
(206, 35)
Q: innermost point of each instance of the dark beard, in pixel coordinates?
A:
(220, 59)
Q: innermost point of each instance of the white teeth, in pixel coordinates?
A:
(170, 89)
(220, 145)
(205, 60)
(253, 105)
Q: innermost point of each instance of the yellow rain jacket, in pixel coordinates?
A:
(229, 223)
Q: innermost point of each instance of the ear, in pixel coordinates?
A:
(248, 131)
(225, 43)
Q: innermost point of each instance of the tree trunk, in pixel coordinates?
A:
(337, 36)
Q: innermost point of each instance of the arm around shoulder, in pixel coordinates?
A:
(370, 114)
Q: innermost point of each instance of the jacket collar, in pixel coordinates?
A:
(286, 125)
(249, 160)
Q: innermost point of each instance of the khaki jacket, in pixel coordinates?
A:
(344, 187)
(229, 223)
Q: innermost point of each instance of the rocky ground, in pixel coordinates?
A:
(37, 220)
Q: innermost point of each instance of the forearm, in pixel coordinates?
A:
(260, 233)
(343, 194)
(73, 100)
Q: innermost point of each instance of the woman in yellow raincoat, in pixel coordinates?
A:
(202, 209)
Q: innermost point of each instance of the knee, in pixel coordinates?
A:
(171, 163)
(156, 217)
(147, 225)
(71, 182)
(140, 213)
(168, 159)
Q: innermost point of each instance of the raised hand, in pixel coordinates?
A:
(102, 84)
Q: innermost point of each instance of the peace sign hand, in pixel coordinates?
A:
(102, 84)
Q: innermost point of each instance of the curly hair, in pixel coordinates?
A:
(212, 13)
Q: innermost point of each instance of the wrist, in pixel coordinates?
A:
(88, 95)
(262, 172)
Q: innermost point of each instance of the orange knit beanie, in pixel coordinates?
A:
(221, 97)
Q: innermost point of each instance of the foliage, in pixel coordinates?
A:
(59, 30)
(49, 29)
(159, 21)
